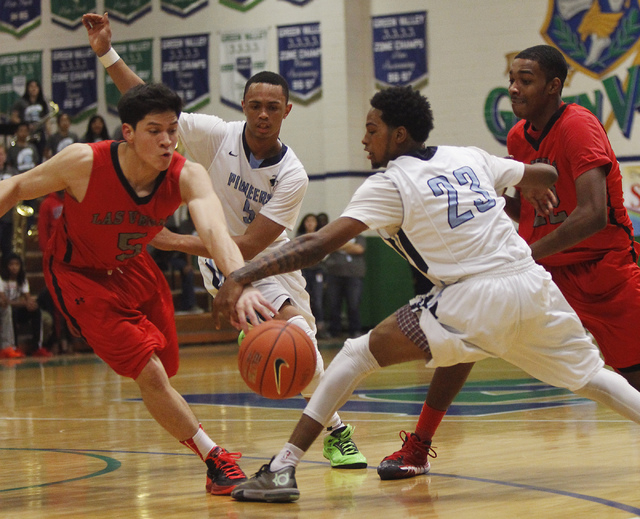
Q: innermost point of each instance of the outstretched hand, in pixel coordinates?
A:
(543, 200)
(99, 31)
(241, 306)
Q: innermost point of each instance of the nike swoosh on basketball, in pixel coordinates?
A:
(277, 366)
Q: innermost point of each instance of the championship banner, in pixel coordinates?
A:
(139, 56)
(182, 8)
(18, 17)
(185, 68)
(242, 54)
(240, 5)
(400, 49)
(127, 11)
(299, 54)
(15, 71)
(69, 14)
(73, 81)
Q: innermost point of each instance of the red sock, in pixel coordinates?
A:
(428, 422)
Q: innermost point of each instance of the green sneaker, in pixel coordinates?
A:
(341, 450)
(240, 337)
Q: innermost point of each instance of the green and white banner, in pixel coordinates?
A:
(15, 71)
(182, 8)
(138, 55)
(127, 11)
(69, 14)
(242, 54)
(240, 5)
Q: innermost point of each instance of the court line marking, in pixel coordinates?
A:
(584, 497)
(112, 464)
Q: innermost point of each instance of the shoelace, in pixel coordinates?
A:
(412, 442)
(345, 445)
(227, 464)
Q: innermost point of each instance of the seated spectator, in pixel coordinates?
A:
(23, 155)
(62, 138)
(6, 220)
(96, 130)
(24, 307)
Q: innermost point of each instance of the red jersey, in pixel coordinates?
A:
(113, 223)
(574, 141)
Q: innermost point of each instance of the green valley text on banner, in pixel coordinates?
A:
(242, 54)
(300, 58)
(185, 68)
(73, 81)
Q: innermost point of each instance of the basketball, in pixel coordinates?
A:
(277, 359)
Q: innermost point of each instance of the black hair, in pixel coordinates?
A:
(40, 97)
(404, 106)
(89, 136)
(145, 99)
(301, 228)
(550, 59)
(270, 78)
(4, 268)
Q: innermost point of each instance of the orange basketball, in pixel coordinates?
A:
(277, 359)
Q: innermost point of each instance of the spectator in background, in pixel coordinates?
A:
(7, 337)
(32, 108)
(314, 276)
(96, 130)
(6, 221)
(323, 219)
(24, 307)
(62, 138)
(346, 269)
(23, 155)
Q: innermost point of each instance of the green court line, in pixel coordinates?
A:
(112, 464)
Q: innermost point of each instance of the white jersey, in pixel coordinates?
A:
(442, 212)
(275, 190)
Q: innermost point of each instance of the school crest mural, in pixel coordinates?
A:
(595, 36)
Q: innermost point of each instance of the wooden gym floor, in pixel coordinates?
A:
(76, 442)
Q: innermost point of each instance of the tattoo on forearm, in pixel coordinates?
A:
(299, 253)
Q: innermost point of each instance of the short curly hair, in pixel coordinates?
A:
(404, 106)
(550, 60)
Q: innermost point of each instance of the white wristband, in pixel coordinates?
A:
(109, 58)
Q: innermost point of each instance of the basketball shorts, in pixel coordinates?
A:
(276, 289)
(515, 313)
(125, 315)
(606, 296)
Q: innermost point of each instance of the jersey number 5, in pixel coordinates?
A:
(466, 179)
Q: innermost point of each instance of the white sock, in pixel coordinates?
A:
(301, 322)
(289, 456)
(203, 443)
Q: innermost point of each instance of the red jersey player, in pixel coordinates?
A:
(117, 198)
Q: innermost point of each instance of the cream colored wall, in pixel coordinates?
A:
(467, 44)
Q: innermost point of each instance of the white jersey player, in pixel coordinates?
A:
(440, 208)
(261, 184)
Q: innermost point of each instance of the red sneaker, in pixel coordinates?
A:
(223, 473)
(11, 352)
(41, 352)
(410, 461)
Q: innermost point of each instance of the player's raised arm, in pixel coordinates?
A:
(99, 32)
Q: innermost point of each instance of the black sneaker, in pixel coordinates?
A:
(270, 487)
(223, 473)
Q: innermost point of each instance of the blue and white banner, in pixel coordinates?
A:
(18, 17)
(242, 54)
(299, 54)
(400, 48)
(185, 68)
(73, 81)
